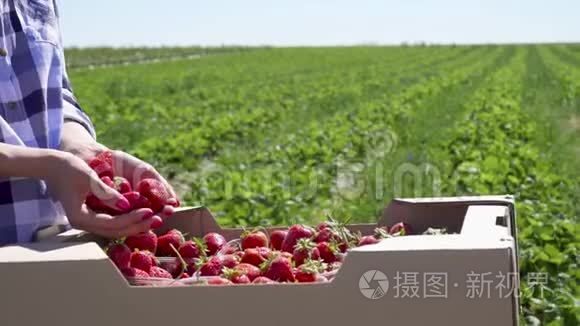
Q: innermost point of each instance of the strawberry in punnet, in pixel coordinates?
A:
(192, 249)
(310, 271)
(279, 269)
(142, 241)
(295, 232)
(328, 252)
(326, 235)
(103, 164)
(142, 260)
(262, 280)
(276, 239)
(236, 276)
(304, 249)
(155, 191)
(230, 261)
(254, 239)
(184, 275)
(265, 252)
(134, 272)
(136, 200)
(250, 270)
(253, 256)
(167, 242)
(367, 240)
(229, 249)
(159, 272)
(173, 265)
(400, 229)
(122, 185)
(120, 254)
(212, 267)
(214, 242)
(219, 281)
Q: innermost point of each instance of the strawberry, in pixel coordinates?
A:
(328, 252)
(214, 242)
(253, 256)
(103, 164)
(250, 270)
(136, 200)
(212, 267)
(229, 249)
(219, 281)
(279, 269)
(122, 185)
(141, 260)
(120, 254)
(400, 229)
(184, 275)
(174, 266)
(229, 261)
(254, 239)
(134, 272)
(193, 266)
(165, 243)
(276, 239)
(235, 276)
(142, 241)
(304, 249)
(159, 272)
(367, 240)
(323, 225)
(155, 191)
(295, 232)
(326, 235)
(310, 271)
(192, 249)
(262, 280)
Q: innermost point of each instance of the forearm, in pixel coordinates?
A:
(78, 141)
(20, 161)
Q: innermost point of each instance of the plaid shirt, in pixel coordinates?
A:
(35, 99)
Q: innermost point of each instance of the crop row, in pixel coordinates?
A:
(492, 152)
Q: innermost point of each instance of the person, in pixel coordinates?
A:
(46, 139)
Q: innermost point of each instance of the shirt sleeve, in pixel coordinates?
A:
(71, 108)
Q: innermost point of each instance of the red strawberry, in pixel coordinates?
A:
(250, 270)
(174, 266)
(279, 269)
(326, 235)
(276, 239)
(305, 249)
(219, 281)
(253, 256)
(191, 249)
(228, 249)
(159, 272)
(165, 242)
(328, 252)
(103, 164)
(254, 239)
(122, 185)
(367, 240)
(262, 280)
(184, 275)
(230, 261)
(214, 242)
(236, 276)
(400, 229)
(295, 232)
(107, 180)
(155, 191)
(134, 272)
(212, 267)
(310, 271)
(141, 260)
(137, 200)
(120, 254)
(323, 225)
(142, 241)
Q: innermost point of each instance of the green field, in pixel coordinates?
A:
(278, 135)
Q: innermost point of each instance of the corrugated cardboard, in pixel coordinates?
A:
(59, 282)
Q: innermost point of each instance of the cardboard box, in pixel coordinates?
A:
(411, 280)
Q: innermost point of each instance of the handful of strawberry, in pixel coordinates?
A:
(148, 193)
(299, 254)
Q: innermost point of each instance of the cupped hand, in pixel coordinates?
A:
(70, 181)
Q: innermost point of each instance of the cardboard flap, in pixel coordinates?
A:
(51, 251)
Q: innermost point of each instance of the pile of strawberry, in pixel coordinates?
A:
(148, 193)
(297, 254)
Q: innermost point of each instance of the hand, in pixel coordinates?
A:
(71, 179)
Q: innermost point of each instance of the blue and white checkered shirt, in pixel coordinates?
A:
(35, 99)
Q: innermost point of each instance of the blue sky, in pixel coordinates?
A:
(316, 22)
